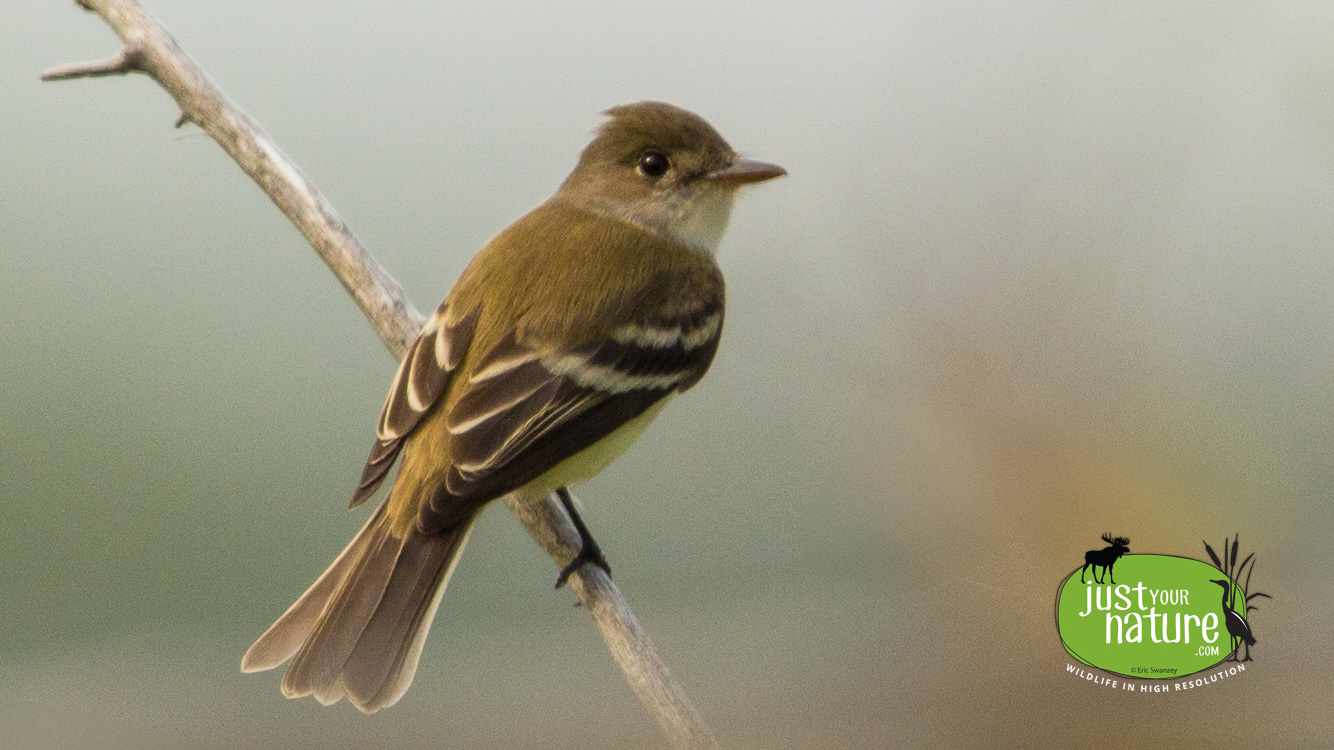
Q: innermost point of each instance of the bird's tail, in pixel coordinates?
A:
(358, 630)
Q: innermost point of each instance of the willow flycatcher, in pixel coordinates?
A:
(561, 341)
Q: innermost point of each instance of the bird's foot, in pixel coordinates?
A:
(590, 552)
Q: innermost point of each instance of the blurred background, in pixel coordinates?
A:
(1042, 270)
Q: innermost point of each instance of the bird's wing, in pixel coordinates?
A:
(418, 385)
(527, 406)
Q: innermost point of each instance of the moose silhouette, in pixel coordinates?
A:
(1105, 558)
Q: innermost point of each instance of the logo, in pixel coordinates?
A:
(1168, 616)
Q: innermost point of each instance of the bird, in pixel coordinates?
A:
(559, 343)
(1236, 624)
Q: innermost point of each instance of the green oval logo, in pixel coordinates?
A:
(1164, 617)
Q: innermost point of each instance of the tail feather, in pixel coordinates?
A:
(317, 664)
(358, 631)
(281, 641)
(382, 664)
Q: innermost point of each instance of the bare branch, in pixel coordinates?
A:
(151, 50)
(629, 643)
(124, 62)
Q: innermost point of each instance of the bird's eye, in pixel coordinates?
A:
(653, 164)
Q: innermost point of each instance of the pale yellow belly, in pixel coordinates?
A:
(593, 459)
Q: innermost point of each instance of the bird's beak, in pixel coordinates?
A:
(745, 172)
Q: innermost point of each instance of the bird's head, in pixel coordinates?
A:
(664, 169)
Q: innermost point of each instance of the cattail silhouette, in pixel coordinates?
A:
(1238, 625)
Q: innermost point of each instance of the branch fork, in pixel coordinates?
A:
(125, 62)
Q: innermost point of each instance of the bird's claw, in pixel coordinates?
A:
(590, 552)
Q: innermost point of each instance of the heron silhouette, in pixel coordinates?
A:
(1236, 624)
